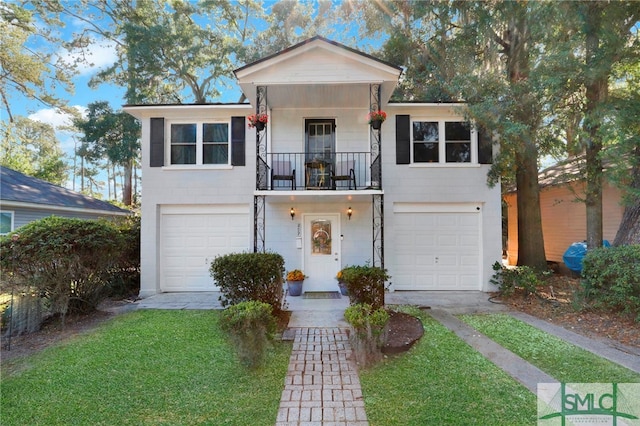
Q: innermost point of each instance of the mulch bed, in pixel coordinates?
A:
(554, 303)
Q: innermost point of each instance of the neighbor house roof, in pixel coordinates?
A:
(17, 189)
(564, 171)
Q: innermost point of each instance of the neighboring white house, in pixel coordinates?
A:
(24, 199)
(318, 185)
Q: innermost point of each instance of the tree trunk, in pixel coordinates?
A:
(530, 237)
(596, 93)
(126, 190)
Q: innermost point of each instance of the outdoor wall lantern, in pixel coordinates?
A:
(349, 212)
(292, 212)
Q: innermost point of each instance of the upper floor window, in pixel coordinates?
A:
(199, 143)
(442, 142)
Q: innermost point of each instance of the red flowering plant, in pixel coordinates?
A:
(377, 115)
(254, 119)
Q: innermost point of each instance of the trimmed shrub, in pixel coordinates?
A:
(65, 260)
(368, 324)
(365, 284)
(611, 278)
(509, 279)
(250, 276)
(251, 326)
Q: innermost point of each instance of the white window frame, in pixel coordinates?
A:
(13, 218)
(441, 143)
(199, 144)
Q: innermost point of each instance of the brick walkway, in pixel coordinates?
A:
(322, 385)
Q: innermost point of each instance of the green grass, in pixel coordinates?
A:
(442, 380)
(147, 367)
(561, 360)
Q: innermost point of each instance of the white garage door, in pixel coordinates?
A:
(437, 251)
(192, 237)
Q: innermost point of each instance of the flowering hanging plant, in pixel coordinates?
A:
(377, 115)
(254, 119)
(295, 275)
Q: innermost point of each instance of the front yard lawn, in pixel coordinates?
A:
(561, 360)
(442, 380)
(146, 367)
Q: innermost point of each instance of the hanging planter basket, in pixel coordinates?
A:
(260, 126)
(376, 118)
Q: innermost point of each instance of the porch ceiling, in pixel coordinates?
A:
(348, 95)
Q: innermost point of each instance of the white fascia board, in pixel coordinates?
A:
(143, 111)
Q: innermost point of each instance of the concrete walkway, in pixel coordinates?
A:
(322, 385)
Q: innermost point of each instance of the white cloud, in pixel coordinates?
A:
(56, 118)
(99, 55)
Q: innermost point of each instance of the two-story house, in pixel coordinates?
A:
(318, 184)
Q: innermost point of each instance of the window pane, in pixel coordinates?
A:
(425, 142)
(426, 152)
(215, 153)
(215, 132)
(321, 237)
(183, 133)
(458, 152)
(5, 222)
(457, 131)
(426, 131)
(183, 154)
(457, 142)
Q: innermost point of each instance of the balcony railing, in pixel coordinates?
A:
(325, 171)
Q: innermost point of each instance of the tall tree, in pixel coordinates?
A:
(30, 60)
(114, 135)
(31, 147)
(605, 27)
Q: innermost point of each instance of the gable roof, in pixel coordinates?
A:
(309, 41)
(19, 189)
(317, 68)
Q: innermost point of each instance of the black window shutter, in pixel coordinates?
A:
(238, 129)
(157, 142)
(403, 139)
(485, 147)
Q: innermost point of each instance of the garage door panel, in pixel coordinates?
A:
(451, 260)
(190, 240)
(441, 249)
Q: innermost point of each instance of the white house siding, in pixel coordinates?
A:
(191, 186)
(453, 188)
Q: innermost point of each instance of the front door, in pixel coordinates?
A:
(321, 251)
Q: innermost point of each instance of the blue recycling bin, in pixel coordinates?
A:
(575, 253)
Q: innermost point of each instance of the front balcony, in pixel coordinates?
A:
(299, 171)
